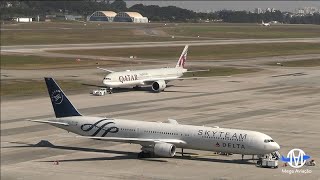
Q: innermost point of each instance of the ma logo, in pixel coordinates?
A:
(296, 158)
(57, 97)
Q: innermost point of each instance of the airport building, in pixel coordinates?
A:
(134, 17)
(102, 16)
(110, 16)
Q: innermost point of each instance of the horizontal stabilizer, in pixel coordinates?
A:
(205, 70)
(50, 122)
(110, 71)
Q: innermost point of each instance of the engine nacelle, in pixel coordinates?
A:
(164, 149)
(159, 85)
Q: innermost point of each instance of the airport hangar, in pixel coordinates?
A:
(110, 16)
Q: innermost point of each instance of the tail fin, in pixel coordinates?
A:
(61, 105)
(183, 58)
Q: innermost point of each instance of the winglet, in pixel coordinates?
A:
(110, 71)
(183, 58)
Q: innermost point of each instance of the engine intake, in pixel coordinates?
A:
(164, 149)
(158, 86)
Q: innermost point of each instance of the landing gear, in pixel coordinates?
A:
(242, 155)
(182, 152)
(143, 154)
(136, 87)
(110, 90)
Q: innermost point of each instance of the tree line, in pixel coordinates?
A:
(11, 9)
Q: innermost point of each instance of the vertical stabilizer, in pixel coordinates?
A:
(183, 58)
(61, 105)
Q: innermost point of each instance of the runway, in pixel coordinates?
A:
(274, 101)
(36, 48)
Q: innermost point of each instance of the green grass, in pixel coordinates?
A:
(38, 62)
(298, 63)
(221, 71)
(246, 31)
(62, 32)
(211, 52)
(24, 88)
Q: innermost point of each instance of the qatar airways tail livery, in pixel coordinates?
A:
(155, 138)
(156, 78)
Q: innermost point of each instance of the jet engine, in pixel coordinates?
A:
(159, 85)
(164, 149)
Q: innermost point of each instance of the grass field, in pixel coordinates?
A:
(38, 62)
(298, 63)
(221, 71)
(59, 32)
(246, 31)
(25, 88)
(208, 52)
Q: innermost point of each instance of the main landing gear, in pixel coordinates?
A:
(110, 90)
(143, 154)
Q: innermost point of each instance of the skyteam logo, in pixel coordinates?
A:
(296, 158)
(57, 97)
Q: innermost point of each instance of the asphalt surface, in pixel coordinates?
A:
(279, 101)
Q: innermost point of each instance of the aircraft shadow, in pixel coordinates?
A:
(144, 89)
(92, 85)
(126, 155)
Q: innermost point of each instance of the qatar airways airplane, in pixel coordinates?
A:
(155, 138)
(156, 78)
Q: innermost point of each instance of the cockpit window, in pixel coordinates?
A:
(107, 78)
(268, 140)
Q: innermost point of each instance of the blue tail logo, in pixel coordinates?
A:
(57, 97)
(61, 105)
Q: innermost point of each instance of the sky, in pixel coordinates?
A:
(208, 6)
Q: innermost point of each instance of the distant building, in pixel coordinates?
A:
(73, 17)
(23, 19)
(110, 16)
(134, 17)
(107, 16)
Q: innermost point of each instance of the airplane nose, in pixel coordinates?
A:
(276, 146)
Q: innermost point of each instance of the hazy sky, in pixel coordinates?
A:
(207, 6)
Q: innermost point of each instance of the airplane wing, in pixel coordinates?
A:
(110, 71)
(135, 140)
(50, 122)
(150, 81)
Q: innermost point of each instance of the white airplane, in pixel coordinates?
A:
(155, 138)
(156, 78)
(265, 24)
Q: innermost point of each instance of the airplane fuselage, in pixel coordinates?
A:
(133, 78)
(195, 137)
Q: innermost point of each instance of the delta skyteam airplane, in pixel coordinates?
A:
(155, 138)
